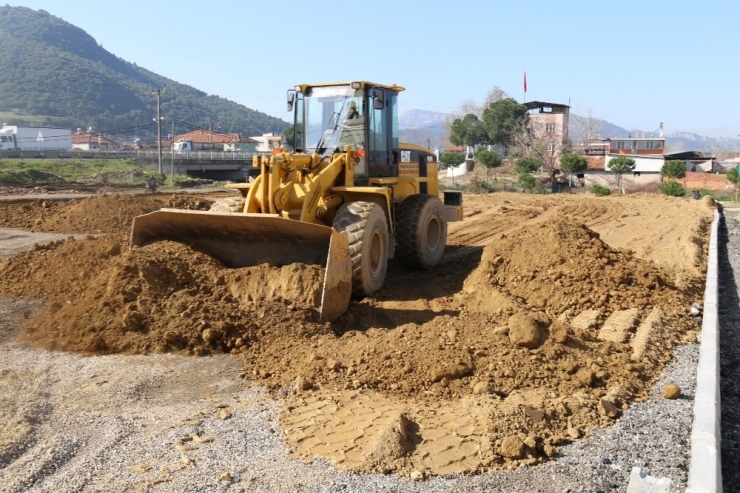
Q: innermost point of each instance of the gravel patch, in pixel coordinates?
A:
(156, 423)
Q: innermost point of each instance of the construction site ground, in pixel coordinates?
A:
(158, 368)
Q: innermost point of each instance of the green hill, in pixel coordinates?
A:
(53, 73)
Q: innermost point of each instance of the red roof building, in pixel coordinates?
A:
(89, 141)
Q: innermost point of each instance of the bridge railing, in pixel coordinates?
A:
(144, 154)
(201, 155)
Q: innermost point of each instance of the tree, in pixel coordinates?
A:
(527, 165)
(533, 139)
(451, 159)
(572, 163)
(733, 176)
(494, 95)
(672, 188)
(673, 169)
(467, 131)
(620, 165)
(527, 181)
(502, 119)
(584, 128)
(489, 159)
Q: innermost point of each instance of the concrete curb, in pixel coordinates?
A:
(705, 470)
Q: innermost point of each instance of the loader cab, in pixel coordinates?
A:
(360, 114)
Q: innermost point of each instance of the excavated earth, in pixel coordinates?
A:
(548, 317)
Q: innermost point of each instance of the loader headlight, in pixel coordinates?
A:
(356, 85)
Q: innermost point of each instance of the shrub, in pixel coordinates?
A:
(451, 159)
(527, 181)
(527, 165)
(672, 188)
(597, 189)
(673, 169)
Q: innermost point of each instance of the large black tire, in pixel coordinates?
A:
(231, 204)
(421, 231)
(367, 227)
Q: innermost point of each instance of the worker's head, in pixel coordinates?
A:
(352, 107)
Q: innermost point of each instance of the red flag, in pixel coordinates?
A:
(525, 81)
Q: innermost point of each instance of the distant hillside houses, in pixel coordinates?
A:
(207, 140)
(89, 141)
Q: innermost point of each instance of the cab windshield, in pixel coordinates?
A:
(333, 118)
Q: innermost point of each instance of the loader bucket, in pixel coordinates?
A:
(243, 240)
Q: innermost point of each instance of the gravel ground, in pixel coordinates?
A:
(115, 423)
(729, 334)
(170, 423)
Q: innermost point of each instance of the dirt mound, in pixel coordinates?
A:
(561, 264)
(100, 214)
(162, 297)
(61, 270)
(474, 366)
(547, 342)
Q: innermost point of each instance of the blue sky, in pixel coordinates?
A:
(633, 63)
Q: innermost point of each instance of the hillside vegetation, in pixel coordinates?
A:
(53, 73)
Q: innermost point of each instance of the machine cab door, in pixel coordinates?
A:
(382, 132)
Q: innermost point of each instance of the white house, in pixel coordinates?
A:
(268, 142)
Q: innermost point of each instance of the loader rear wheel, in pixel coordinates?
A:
(421, 232)
(231, 204)
(367, 227)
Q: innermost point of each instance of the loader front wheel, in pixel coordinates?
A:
(421, 232)
(367, 227)
(231, 204)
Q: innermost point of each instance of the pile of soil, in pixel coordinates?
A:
(163, 297)
(100, 214)
(531, 348)
(479, 365)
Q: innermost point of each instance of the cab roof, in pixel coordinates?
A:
(363, 83)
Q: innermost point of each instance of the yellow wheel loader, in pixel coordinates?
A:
(347, 196)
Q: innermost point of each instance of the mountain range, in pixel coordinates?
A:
(418, 126)
(55, 74)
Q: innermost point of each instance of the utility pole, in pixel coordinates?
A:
(172, 150)
(159, 92)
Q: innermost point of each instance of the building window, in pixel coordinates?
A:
(551, 146)
(550, 128)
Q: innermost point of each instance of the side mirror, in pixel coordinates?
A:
(378, 99)
(291, 99)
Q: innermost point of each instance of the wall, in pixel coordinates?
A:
(630, 181)
(706, 180)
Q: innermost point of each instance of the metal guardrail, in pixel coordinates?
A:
(133, 154)
(202, 155)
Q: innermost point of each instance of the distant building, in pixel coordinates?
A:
(207, 140)
(89, 141)
(242, 144)
(35, 138)
(646, 152)
(549, 121)
(268, 142)
(633, 147)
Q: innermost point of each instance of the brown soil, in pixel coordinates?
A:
(100, 214)
(537, 327)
